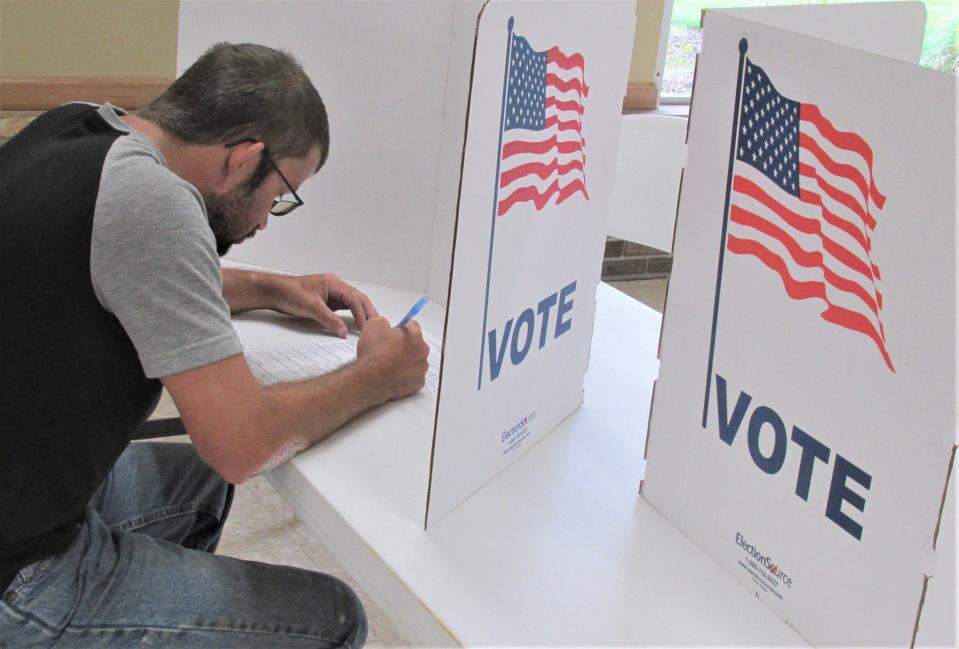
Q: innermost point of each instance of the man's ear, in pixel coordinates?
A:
(240, 164)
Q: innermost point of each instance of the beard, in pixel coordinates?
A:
(229, 217)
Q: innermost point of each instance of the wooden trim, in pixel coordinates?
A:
(44, 93)
(640, 96)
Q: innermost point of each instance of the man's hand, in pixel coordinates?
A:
(318, 296)
(401, 356)
(308, 296)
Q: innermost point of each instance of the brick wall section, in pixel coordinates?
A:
(627, 260)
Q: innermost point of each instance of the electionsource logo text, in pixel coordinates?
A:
(515, 435)
(763, 560)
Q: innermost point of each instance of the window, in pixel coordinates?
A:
(940, 47)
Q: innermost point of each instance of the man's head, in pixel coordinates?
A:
(260, 101)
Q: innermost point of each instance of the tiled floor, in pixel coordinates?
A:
(263, 527)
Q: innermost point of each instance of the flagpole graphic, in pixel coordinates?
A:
(492, 227)
(743, 46)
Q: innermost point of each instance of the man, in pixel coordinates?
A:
(112, 229)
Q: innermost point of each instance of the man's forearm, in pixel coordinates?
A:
(309, 411)
(245, 290)
(239, 428)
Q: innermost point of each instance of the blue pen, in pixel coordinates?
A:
(415, 310)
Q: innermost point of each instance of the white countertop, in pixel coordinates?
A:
(558, 550)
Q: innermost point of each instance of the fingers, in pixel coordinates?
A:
(319, 297)
(326, 317)
(368, 305)
(415, 364)
(401, 354)
(417, 332)
(355, 304)
(356, 301)
(414, 330)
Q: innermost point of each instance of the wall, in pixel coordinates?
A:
(649, 20)
(123, 38)
(88, 38)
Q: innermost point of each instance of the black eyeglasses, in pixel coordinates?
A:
(280, 206)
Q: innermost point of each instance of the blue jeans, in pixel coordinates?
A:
(142, 573)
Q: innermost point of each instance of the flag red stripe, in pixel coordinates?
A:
(543, 170)
(848, 259)
(844, 140)
(857, 322)
(802, 256)
(794, 288)
(842, 170)
(567, 62)
(799, 254)
(544, 146)
(849, 286)
(565, 85)
(541, 198)
(837, 194)
(552, 102)
(850, 228)
(568, 125)
(804, 224)
(805, 290)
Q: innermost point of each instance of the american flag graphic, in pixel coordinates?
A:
(804, 203)
(543, 153)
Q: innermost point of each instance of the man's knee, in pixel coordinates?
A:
(344, 611)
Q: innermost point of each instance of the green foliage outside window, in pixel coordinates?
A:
(940, 47)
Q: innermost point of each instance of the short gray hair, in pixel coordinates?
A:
(234, 92)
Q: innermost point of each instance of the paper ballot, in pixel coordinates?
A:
(321, 356)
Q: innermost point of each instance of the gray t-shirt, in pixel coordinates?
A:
(153, 259)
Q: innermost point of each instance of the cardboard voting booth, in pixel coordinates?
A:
(652, 154)
(546, 95)
(483, 133)
(803, 427)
